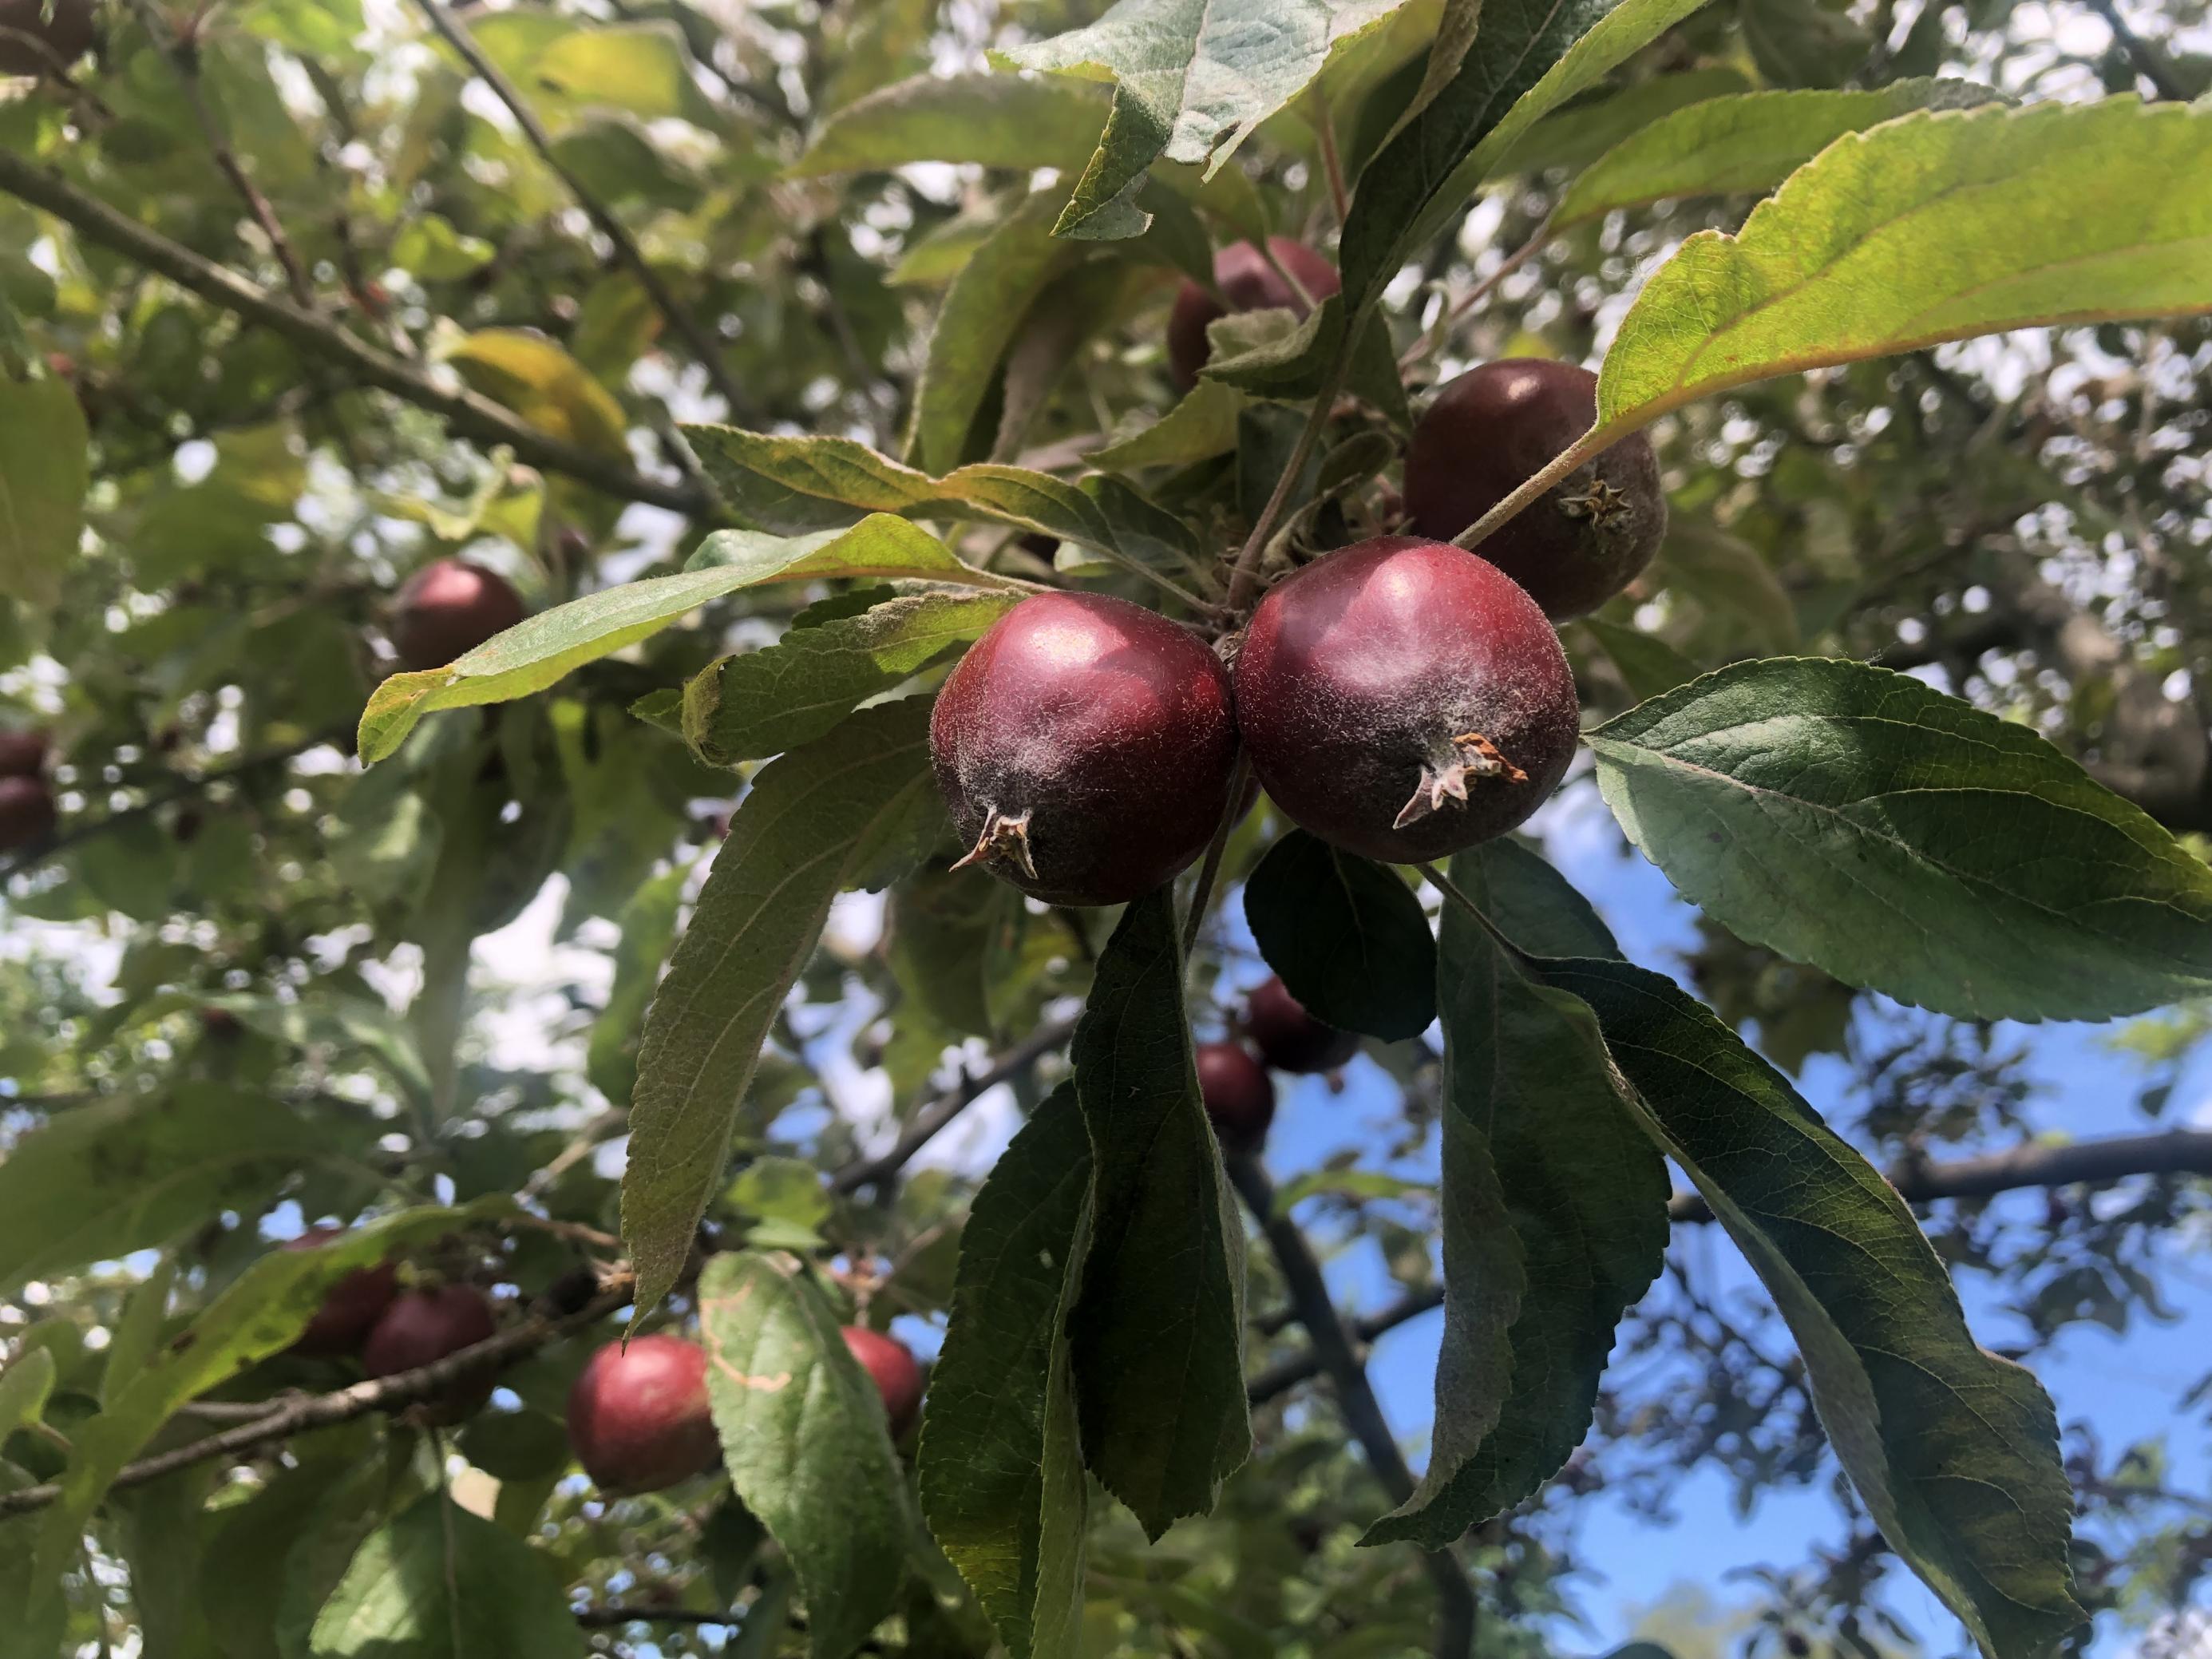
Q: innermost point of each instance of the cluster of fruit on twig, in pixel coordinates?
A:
(638, 1416)
(1401, 697)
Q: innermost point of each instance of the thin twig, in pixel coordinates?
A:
(932, 1119)
(323, 1411)
(1210, 871)
(1430, 338)
(1456, 1609)
(2149, 62)
(470, 413)
(1245, 585)
(704, 348)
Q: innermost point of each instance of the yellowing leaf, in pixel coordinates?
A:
(544, 385)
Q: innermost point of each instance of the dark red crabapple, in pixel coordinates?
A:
(1246, 281)
(1403, 699)
(448, 608)
(27, 812)
(638, 1419)
(424, 1325)
(352, 1306)
(1289, 1038)
(1495, 427)
(66, 36)
(896, 1374)
(1085, 747)
(22, 754)
(1238, 1095)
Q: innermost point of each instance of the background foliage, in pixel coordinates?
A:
(296, 296)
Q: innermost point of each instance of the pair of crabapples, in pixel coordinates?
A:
(1400, 698)
(1233, 1084)
(26, 801)
(639, 1418)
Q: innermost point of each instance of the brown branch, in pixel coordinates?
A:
(932, 1118)
(379, 1393)
(1456, 1610)
(2147, 61)
(2090, 1163)
(470, 414)
(703, 346)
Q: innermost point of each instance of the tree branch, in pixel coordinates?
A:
(931, 1119)
(2093, 1162)
(703, 346)
(2088, 1163)
(1456, 1610)
(2149, 62)
(470, 413)
(379, 1393)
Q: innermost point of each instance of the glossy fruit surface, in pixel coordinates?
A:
(448, 608)
(22, 754)
(1495, 427)
(1239, 1094)
(1085, 747)
(424, 1325)
(638, 1419)
(352, 1306)
(1247, 283)
(66, 36)
(897, 1373)
(1404, 699)
(27, 811)
(1289, 1038)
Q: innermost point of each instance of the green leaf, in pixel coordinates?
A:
(1576, 136)
(439, 1583)
(1157, 1326)
(1728, 576)
(1555, 1209)
(262, 1311)
(765, 702)
(136, 1332)
(820, 820)
(44, 467)
(542, 650)
(1954, 1450)
(1192, 80)
(1001, 1477)
(1528, 58)
(787, 482)
(1743, 145)
(24, 1386)
(1934, 226)
(1646, 662)
(1802, 43)
(544, 386)
(803, 1433)
(130, 1174)
(1201, 426)
(1904, 840)
(1533, 905)
(991, 120)
(1347, 936)
(980, 317)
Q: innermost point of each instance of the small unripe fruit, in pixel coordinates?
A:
(1292, 1040)
(1085, 747)
(448, 608)
(352, 1306)
(422, 1327)
(1403, 699)
(1238, 1095)
(638, 1419)
(27, 812)
(1246, 281)
(896, 1374)
(66, 36)
(22, 754)
(1495, 427)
